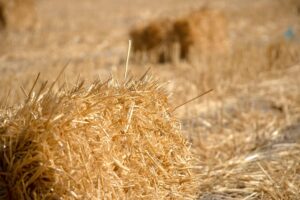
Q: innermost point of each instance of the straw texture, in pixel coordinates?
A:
(106, 141)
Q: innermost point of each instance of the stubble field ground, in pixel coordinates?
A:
(245, 134)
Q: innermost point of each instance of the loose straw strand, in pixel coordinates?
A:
(127, 59)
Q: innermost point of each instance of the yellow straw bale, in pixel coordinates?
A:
(151, 41)
(106, 141)
(197, 34)
(18, 14)
(2, 17)
(201, 33)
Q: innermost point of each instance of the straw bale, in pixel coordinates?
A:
(150, 42)
(18, 14)
(281, 54)
(2, 18)
(202, 32)
(106, 141)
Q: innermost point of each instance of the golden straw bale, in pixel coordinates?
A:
(184, 33)
(202, 32)
(151, 40)
(19, 14)
(106, 141)
(199, 33)
(2, 17)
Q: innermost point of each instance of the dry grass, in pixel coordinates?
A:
(282, 53)
(105, 141)
(256, 176)
(245, 138)
(256, 156)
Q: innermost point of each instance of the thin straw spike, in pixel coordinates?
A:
(145, 74)
(23, 91)
(127, 59)
(59, 75)
(33, 86)
(193, 99)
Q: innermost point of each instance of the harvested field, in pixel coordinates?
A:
(116, 137)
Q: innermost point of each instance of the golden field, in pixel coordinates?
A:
(240, 141)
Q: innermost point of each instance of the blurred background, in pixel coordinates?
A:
(40, 36)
